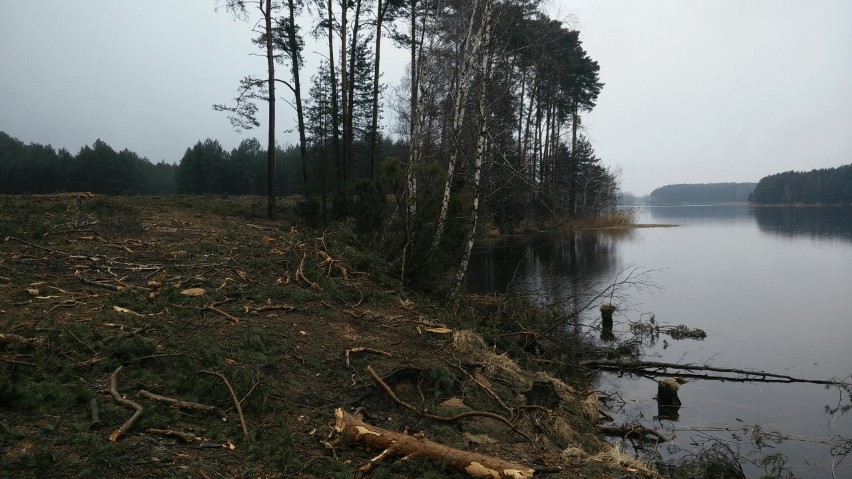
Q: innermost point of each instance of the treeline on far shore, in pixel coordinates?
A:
(826, 186)
(830, 186)
(206, 168)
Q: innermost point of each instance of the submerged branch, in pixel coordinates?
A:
(653, 368)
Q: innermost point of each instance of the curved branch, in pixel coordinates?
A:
(463, 415)
(113, 391)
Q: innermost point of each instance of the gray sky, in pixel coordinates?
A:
(696, 91)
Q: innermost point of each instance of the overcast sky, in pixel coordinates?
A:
(695, 91)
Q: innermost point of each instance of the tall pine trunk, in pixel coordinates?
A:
(270, 159)
(344, 86)
(411, 178)
(351, 91)
(381, 8)
(297, 91)
(335, 113)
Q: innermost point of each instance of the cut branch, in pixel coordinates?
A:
(183, 436)
(300, 274)
(230, 317)
(234, 397)
(113, 379)
(364, 350)
(433, 417)
(184, 404)
(398, 444)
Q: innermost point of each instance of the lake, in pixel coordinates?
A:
(771, 287)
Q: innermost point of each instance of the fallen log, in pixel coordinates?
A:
(655, 369)
(399, 444)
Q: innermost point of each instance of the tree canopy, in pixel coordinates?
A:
(701, 193)
(827, 186)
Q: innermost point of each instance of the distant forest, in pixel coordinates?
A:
(695, 194)
(205, 168)
(831, 186)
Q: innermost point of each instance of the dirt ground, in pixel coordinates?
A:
(190, 298)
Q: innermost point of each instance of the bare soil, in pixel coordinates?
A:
(175, 289)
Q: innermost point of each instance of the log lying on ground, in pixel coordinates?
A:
(403, 445)
(653, 368)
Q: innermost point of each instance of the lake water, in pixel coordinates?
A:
(771, 287)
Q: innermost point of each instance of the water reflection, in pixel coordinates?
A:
(696, 214)
(817, 222)
(769, 298)
(544, 264)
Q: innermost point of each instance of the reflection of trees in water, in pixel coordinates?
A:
(697, 214)
(550, 267)
(817, 222)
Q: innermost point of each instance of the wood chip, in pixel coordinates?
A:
(193, 292)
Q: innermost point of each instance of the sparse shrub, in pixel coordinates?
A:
(341, 204)
(368, 206)
(308, 210)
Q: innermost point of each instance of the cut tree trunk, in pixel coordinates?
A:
(399, 444)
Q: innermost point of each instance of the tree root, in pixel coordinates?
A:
(400, 444)
(113, 379)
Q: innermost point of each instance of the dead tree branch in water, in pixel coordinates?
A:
(655, 369)
(633, 277)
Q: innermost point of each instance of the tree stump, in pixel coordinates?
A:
(607, 311)
(668, 403)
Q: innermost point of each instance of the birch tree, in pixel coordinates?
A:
(484, 52)
(469, 50)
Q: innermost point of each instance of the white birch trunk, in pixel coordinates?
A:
(459, 109)
(485, 46)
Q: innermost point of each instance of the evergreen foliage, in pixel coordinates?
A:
(39, 169)
(701, 193)
(824, 186)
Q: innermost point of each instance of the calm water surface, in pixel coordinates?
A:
(772, 287)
